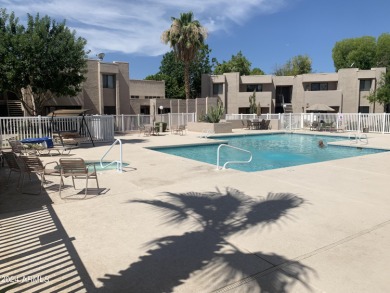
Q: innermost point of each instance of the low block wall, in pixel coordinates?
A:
(222, 127)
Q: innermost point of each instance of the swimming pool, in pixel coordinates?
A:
(270, 151)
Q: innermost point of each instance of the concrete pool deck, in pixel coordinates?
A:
(169, 224)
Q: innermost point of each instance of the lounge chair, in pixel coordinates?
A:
(77, 169)
(34, 165)
(61, 150)
(19, 148)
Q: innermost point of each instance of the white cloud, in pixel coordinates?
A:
(136, 26)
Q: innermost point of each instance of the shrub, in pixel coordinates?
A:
(214, 114)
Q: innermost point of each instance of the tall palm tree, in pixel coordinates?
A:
(186, 36)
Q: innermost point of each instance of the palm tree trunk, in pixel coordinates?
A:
(187, 82)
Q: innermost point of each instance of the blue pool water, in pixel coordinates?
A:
(270, 151)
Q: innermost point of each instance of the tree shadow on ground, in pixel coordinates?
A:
(202, 260)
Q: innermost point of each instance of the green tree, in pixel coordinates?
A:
(186, 36)
(200, 65)
(383, 51)
(257, 71)
(238, 63)
(382, 94)
(41, 61)
(356, 52)
(172, 88)
(172, 67)
(299, 64)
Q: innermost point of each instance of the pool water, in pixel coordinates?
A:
(105, 167)
(270, 151)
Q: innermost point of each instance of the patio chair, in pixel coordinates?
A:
(340, 128)
(264, 124)
(249, 124)
(34, 165)
(12, 162)
(77, 169)
(314, 125)
(179, 130)
(146, 129)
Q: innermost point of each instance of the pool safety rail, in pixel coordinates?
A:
(119, 163)
(358, 137)
(232, 162)
(206, 133)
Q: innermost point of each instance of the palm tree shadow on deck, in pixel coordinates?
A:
(203, 255)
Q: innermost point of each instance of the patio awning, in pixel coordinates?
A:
(68, 112)
(320, 108)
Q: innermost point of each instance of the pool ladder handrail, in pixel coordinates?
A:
(119, 164)
(232, 162)
(206, 133)
(362, 137)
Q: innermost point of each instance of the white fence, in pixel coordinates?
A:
(100, 127)
(377, 123)
(125, 123)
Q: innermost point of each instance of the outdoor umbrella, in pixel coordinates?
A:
(320, 108)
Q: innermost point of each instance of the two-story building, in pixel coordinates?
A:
(344, 91)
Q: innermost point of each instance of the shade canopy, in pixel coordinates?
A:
(320, 108)
(68, 112)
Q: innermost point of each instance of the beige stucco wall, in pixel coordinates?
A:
(91, 88)
(123, 84)
(147, 88)
(93, 96)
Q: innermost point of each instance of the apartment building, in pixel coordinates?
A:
(107, 90)
(344, 91)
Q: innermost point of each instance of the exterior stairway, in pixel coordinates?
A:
(15, 108)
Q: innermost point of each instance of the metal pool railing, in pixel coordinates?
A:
(232, 162)
(119, 164)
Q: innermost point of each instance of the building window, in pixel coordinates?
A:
(364, 109)
(108, 81)
(134, 97)
(152, 97)
(244, 110)
(217, 88)
(317, 86)
(109, 110)
(254, 87)
(145, 110)
(365, 85)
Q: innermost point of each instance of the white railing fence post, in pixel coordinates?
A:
(383, 123)
(40, 125)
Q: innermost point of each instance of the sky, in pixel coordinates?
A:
(267, 32)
